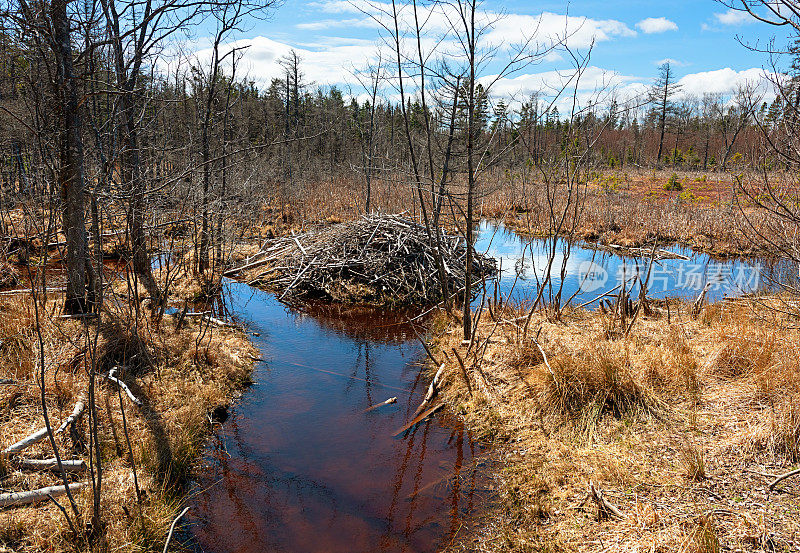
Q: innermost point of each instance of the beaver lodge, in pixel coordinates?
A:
(378, 259)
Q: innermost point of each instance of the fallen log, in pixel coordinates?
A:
(124, 387)
(70, 465)
(39, 435)
(418, 419)
(14, 499)
(206, 316)
(28, 291)
(381, 404)
(247, 266)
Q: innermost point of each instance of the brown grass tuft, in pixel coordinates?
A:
(593, 383)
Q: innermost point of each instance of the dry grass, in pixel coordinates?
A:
(180, 374)
(673, 423)
(630, 208)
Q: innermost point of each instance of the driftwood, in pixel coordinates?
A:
(659, 254)
(39, 435)
(419, 418)
(70, 465)
(381, 404)
(206, 316)
(14, 499)
(783, 477)
(604, 508)
(122, 386)
(376, 259)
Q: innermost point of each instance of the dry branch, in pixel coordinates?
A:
(783, 477)
(381, 404)
(124, 387)
(604, 508)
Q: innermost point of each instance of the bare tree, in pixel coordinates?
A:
(661, 93)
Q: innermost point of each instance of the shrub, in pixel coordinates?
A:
(673, 184)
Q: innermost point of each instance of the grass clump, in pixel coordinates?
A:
(590, 384)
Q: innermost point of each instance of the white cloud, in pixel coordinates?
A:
(327, 61)
(503, 30)
(673, 62)
(733, 17)
(653, 25)
(725, 82)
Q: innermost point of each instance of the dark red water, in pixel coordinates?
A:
(299, 467)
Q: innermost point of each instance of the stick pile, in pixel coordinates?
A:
(378, 259)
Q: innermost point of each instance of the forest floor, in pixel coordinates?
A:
(184, 373)
(681, 426)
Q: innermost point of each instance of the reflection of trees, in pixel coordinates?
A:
(360, 323)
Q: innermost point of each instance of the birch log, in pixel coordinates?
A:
(70, 465)
(40, 435)
(14, 499)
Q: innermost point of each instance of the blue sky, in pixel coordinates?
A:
(333, 37)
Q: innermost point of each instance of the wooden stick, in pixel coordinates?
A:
(172, 528)
(783, 477)
(604, 508)
(381, 404)
(39, 435)
(14, 499)
(70, 465)
(433, 389)
(418, 419)
(698, 303)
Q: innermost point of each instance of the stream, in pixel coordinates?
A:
(300, 467)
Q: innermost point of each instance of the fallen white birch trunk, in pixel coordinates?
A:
(40, 435)
(24, 498)
(70, 465)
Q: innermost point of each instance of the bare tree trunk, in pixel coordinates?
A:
(470, 172)
(71, 171)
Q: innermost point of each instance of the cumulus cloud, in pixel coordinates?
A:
(325, 62)
(504, 30)
(733, 17)
(653, 25)
(724, 81)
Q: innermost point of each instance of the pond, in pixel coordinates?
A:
(589, 272)
(300, 467)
